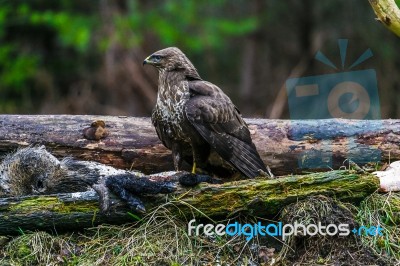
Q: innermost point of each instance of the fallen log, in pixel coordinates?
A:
(261, 197)
(286, 146)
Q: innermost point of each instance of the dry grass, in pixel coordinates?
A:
(324, 249)
(162, 239)
(382, 210)
(157, 239)
(37, 249)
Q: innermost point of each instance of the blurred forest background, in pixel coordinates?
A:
(85, 57)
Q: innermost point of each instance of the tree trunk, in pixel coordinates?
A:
(287, 146)
(261, 197)
(388, 13)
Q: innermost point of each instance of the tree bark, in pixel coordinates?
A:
(261, 197)
(287, 146)
(388, 13)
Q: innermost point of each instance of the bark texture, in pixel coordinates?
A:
(287, 146)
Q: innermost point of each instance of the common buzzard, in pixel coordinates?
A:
(192, 117)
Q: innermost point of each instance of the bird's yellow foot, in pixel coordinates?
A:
(194, 168)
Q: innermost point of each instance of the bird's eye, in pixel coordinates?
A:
(156, 58)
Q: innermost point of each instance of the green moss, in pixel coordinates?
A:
(47, 203)
(266, 197)
(35, 204)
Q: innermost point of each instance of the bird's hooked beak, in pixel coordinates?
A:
(147, 60)
(153, 59)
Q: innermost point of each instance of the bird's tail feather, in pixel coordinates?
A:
(242, 155)
(246, 158)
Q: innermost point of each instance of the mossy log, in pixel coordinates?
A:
(261, 197)
(286, 146)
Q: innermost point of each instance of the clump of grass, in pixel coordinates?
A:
(324, 249)
(157, 239)
(382, 210)
(38, 248)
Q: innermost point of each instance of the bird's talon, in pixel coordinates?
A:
(194, 168)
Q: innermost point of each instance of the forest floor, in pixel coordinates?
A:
(162, 239)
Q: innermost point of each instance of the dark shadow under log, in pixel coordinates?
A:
(260, 197)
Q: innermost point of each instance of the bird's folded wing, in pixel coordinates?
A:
(219, 122)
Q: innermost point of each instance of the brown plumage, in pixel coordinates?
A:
(194, 117)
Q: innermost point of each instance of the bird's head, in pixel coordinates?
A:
(171, 59)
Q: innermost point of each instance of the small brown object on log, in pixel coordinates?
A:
(96, 131)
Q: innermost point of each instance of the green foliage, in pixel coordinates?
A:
(61, 38)
(24, 27)
(48, 47)
(17, 67)
(72, 30)
(187, 23)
